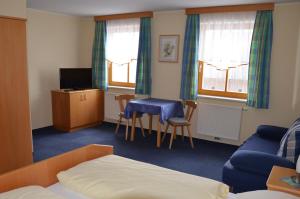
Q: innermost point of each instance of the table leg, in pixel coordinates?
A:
(150, 123)
(158, 133)
(133, 126)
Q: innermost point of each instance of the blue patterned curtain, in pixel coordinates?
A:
(260, 58)
(189, 74)
(98, 58)
(143, 70)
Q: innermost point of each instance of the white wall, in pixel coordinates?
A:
(53, 42)
(87, 28)
(13, 8)
(296, 89)
(166, 77)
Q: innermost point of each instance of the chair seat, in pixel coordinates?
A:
(178, 121)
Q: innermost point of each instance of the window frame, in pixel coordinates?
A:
(225, 93)
(121, 84)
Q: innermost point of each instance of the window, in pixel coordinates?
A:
(224, 48)
(122, 50)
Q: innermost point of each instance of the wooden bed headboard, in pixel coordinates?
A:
(44, 173)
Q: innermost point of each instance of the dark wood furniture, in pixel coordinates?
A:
(73, 110)
(15, 128)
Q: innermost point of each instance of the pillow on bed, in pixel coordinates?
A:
(29, 192)
(115, 177)
(264, 194)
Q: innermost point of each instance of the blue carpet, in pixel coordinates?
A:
(207, 159)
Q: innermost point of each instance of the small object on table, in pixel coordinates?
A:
(165, 109)
(280, 179)
(292, 181)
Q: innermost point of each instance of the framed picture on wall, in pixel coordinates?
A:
(168, 48)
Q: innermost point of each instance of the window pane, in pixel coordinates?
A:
(119, 72)
(238, 79)
(132, 71)
(213, 79)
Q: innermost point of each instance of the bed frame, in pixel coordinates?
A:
(44, 173)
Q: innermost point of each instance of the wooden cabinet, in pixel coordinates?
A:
(77, 109)
(15, 128)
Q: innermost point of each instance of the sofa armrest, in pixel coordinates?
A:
(271, 132)
(258, 162)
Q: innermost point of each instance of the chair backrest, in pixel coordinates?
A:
(123, 100)
(191, 106)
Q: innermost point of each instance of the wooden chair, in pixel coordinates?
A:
(182, 122)
(123, 100)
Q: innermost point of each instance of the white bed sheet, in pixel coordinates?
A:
(60, 190)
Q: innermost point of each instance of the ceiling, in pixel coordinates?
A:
(105, 7)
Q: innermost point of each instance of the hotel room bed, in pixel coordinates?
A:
(94, 172)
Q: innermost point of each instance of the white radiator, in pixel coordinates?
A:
(111, 109)
(219, 121)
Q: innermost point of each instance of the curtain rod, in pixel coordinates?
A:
(124, 16)
(232, 8)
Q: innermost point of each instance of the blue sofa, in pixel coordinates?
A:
(249, 167)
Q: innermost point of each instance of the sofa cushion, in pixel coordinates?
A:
(290, 143)
(257, 143)
(271, 132)
(258, 162)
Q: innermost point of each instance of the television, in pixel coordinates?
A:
(75, 78)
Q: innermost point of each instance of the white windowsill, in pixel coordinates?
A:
(199, 96)
(121, 87)
(222, 98)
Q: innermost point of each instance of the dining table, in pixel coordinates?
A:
(163, 108)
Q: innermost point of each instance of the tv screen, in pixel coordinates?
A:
(75, 78)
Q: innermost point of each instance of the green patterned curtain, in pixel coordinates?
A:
(98, 57)
(259, 63)
(143, 70)
(189, 74)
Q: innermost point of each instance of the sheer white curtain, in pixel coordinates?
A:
(225, 38)
(122, 40)
(122, 48)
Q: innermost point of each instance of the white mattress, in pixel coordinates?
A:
(60, 190)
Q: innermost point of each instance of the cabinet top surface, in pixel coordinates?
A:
(74, 91)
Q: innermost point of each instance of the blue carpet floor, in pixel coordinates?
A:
(207, 159)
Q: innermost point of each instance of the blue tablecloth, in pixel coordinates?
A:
(165, 108)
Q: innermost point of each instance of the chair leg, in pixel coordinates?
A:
(118, 125)
(190, 135)
(141, 125)
(172, 137)
(165, 133)
(126, 134)
(150, 123)
(182, 132)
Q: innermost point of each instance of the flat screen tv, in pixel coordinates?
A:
(75, 78)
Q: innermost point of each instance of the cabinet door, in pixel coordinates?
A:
(76, 114)
(15, 129)
(90, 106)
